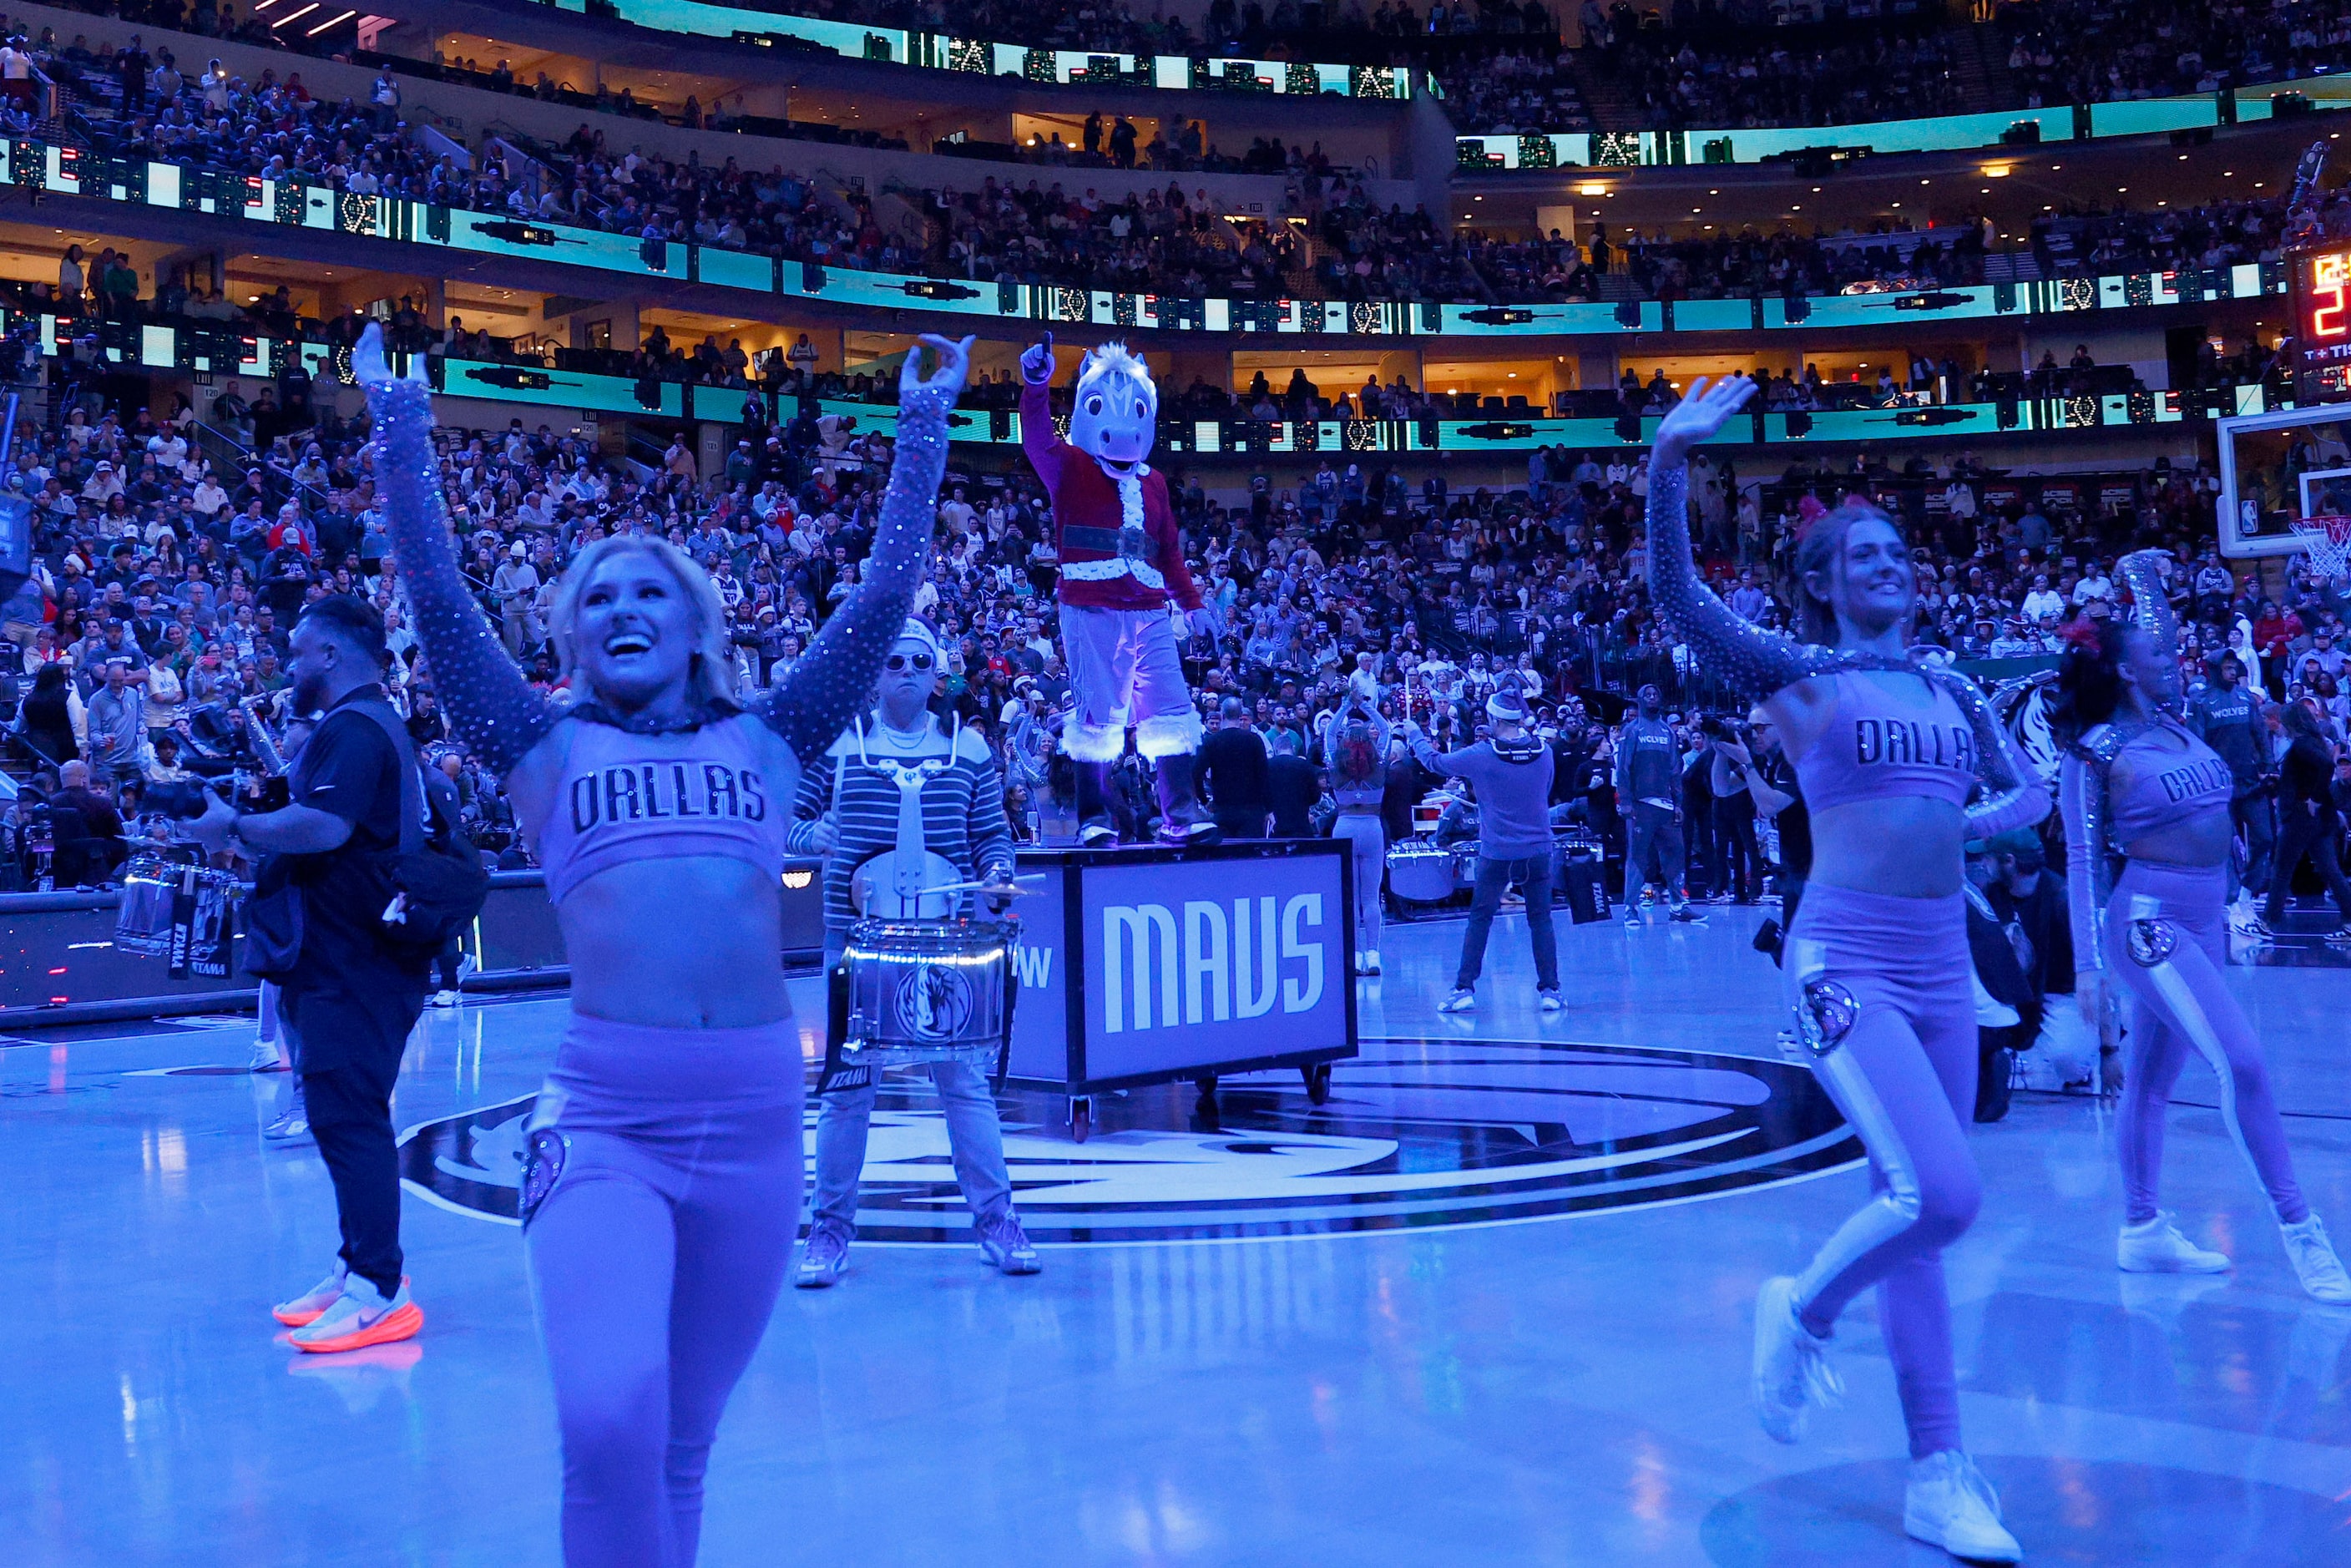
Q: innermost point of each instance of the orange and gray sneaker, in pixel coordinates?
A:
(305, 1307)
(361, 1316)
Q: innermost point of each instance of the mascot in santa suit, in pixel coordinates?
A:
(1121, 566)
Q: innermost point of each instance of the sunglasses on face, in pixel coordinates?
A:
(897, 662)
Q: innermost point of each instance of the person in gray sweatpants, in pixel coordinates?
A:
(1511, 774)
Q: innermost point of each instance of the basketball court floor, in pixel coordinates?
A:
(1489, 1304)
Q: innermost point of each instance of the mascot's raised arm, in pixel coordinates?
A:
(1122, 568)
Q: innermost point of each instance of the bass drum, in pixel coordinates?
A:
(1420, 872)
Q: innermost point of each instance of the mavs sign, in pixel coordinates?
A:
(1137, 966)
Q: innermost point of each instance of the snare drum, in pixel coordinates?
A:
(928, 990)
(1420, 872)
(142, 914)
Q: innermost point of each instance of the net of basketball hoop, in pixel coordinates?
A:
(2327, 541)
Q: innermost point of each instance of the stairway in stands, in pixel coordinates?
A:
(1980, 63)
(1612, 100)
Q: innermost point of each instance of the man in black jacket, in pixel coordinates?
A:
(1232, 775)
(347, 1001)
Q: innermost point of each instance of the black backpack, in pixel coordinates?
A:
(438, 882)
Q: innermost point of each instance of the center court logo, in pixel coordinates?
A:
(1416, 1136)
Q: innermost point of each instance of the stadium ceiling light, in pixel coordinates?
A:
(1591, 188)
(325, 26)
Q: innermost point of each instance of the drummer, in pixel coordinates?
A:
(849, 810)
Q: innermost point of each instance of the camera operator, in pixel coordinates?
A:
(346, 1001)
(1772, 785)
(1729, 764)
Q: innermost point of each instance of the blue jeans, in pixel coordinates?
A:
(1533, 873)
(975, 1140)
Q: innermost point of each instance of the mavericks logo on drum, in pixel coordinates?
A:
(1417, 1135)
(935, 1002)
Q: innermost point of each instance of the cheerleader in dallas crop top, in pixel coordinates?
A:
(1880, 985)
(657, 1146)
(2135, 776)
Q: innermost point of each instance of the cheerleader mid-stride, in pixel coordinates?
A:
(1889, 752)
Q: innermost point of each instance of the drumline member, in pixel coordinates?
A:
(2136, 783)
(1355, 754)
(894, 795)
(1888, 750)
(662, 1187)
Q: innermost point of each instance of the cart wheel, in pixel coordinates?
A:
(1318, 1083)
(1081, 1119)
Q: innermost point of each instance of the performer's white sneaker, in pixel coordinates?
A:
(1372, 959)
(2320, 1270)
(823, 1260)
(1459, 1002)
(1007, 1246)
(2156, 1247)
(265, 1057)
(1792, 1366)
(1548, 999)
(1950, 1504)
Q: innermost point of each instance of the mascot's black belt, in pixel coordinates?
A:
(1127, 544)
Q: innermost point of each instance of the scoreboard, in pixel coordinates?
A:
(2321, 325)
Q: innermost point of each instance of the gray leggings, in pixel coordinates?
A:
(1368, 835)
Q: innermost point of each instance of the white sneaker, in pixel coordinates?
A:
(1363, 962)
(1792, 1367)
(361, 1316)
(1459, 1002)
(311, 1304)
(1548, 999)
(444, 998)
(1373, 959)
(265, 1057)
(1950, 1504)
(2156, 1247)
(2320, 1271)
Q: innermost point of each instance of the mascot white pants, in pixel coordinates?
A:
(1125, 671)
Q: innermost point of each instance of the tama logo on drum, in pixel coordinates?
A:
(1169, 966)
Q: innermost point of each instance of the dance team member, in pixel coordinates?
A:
(1121, 562)
(662, 1187)
(1355, 756)
(1888, 752)
(895, 794)
(2136, 783)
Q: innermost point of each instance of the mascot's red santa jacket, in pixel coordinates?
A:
(1103, 565)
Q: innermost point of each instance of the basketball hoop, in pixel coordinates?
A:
(2328, 541)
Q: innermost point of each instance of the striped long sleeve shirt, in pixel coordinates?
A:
(963, 808)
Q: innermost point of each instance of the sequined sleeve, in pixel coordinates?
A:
(496, 712)
(2142, 573)
(1729, 647)
(837, 675)
(2081, 796)
(2013, 795)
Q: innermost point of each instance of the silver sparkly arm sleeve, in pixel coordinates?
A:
(2082, 795)
(837, 675)
(2142, 573)
(496, 712)
(2014, 794)
(1729, 646)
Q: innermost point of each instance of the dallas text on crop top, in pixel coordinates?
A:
(2167, 786)
(628, 796)
(1902, 736)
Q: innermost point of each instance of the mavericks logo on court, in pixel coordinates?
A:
(1415, 1134)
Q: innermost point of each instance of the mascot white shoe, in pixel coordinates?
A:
(1123, 578)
